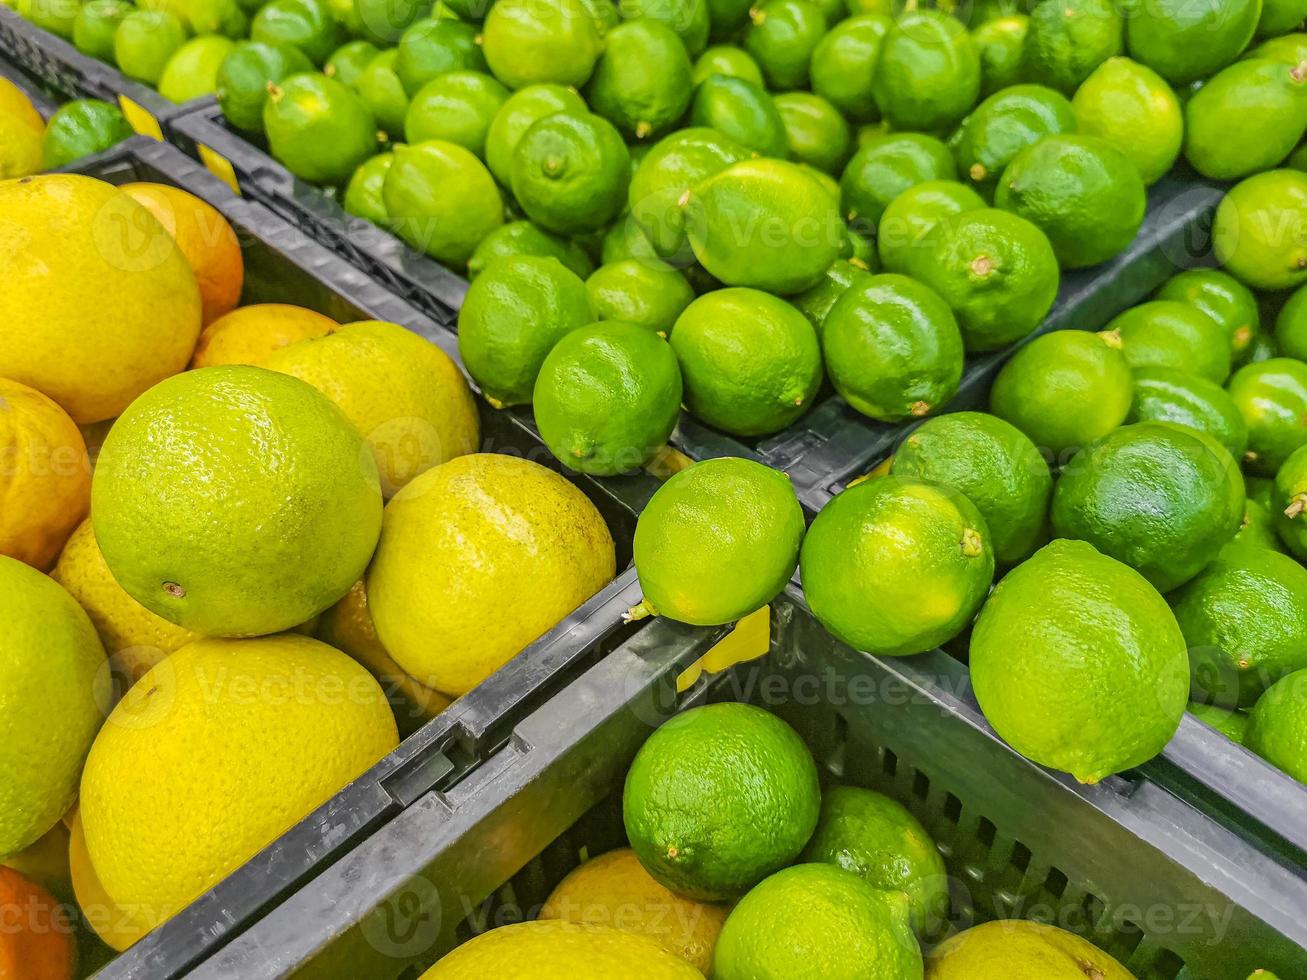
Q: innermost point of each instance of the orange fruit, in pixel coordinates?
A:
(207, 242)
(45, 477)
(248, 335)
(36, 937)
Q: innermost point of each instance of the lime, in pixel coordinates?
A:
(1064, 390)
(718, 798)
(363, 194)
(1166, 333)
(995, 465)
(1246, 119)
(96, 24)
(441, 200)
(817, 921)
(516, 116)
(1012, 948)
(816, 303)
(688, 18)
(639, 292)
(817, 133)
(903, 540)
(726, 18)
(844, 63)
(911, 223)
(892, 348)
(570, 172)
(1289, 500)
(887, 166)
(225, 17)
(318, 128)
(1005, 124)
(996, 270)
(347, 62)
(928, 74)
(1280, 17)
(1068, 39)
(740, 111)
(1245, 620)
(1260, 234)
(1165, 394)
(304, 24)
(1232, 724)
(718, 541)
(81, 128)
(1277, 729)
(1086, 196)
(56, 16)
(379, 88)
(883, 844)
(766, 224)
(1272, 397)
(1291, 49)
(385, 21)
(245, 74)
(531, 41)
(1223, 298)
(514, 313)
(641, 83)
(1291, 326)
(525, 238)
(1257, 530)
(726, 59)
(624, 240)
(456, 107)
(432, 47)
(192, 72)
(1093, 700)
(1183, 43)
(781, 36)
(1001, 43)
(145, 41)
(1134, 109)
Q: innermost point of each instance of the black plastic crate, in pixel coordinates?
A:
(282, 265)
(1128, 863)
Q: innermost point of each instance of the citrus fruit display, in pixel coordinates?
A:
(1275, 729)
(79, 129)
(251, 333)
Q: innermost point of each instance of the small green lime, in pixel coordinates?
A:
(1281, 17)
(1005, 124)
(718, 541)
(816, 303)
(726, 59)
(641, 83)
(751, 362)
(245, 74)
(1223, 298)
(442, 200)
(910, 226)
(145, 41)
(740, 111)
(928, 74)
(726, 19)
(1272, 397)
(1165, 394)
(624, 240)
(1246, 119)
(1277, 729)
(1132, 107)
(1232, 724)
(640, 293)
(96, 24)
(688, 18)
(1260, 234)
(514, 313)
(844, 63)
(1290, 48)
(1257, 530)
(1289, 501)
(525, 238)
(516, 116)
(347, 62)
(1068, 39)
(1001, 43)
(781, 36)
(225, 17)
(571, 172)
(318, 128)
(818, 135)
(59, 17)
(434, 46)
(1165, 333)
(192, 71)
(1183, 42)
(456, 107)
(385, 21)
(304, 24)
(923, 549)
(80, 129)
(528, 42)
(379, 87)
(887, 166)
(1291, 326)
(363, 194)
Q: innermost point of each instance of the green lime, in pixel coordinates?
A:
(56, 16)
(1165, 394)
(688, 18)
(318, 128)
(1260, 234)
(525, 238)
(911, 222)
(385, 21)
(1289, 500)
(661, 185)
(781, 36)
(1257, 530)
(892, 348)
(456, 107)
(1277, 728)
(347, 62)
(1223, 298)
(883, 844)
(1068, 39)
(928, 74)
(1245, 620)
(726, 59)
(641, 83)
(1005, 124)
(887, 166)
(1183, 42)
(720, 797)
(1232, 724)
(726, 19)
(817, 921)
(304, 24)
(1272, 397)
(1291, 49)
(145, 41)
(380, 89)
(816, 303)
(516, 116)
(624, 240)
(442, 200)
(571, 172)
(225, 17)
(740, 111)
(751, 362)
(96, 24)
(1281, 17)
(1166, 333)
(244, 77)
(1260, 489)
(901, 540)
(1064, 390)
(1001, 43)
(844, 63)
(607, 397)
(718, 541)
(818, 135)
(1085, 194)
(363, 194)
(1246, 119)
(1291, 326)
(514, 313)
(996, 270)
(432, 47)
(793, 232)
(80, 129)
(532, 41)
(192, 71)
(1104, 678)
(995, 465)
(640, 293)
(1162, 498)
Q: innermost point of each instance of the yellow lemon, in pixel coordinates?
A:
(118, 927)
(248, 335)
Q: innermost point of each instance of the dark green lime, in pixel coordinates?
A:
(81, 128)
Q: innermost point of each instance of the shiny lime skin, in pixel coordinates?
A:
(570, 173)
(719, 798)
(1184, 42)
(347, 62)
(1223, 298)
(1001, 43)
(928, 74)
(379, 87)
(1277, 730)
(1068, 39)
(523, 108)
(726, 18)
(432, 47)
(1134, 109)
(1272, 397)
(740, 111)
(527, 42)
(607, 397)
(1260, 233)
(781, 37)
(1289, 502)
(1245, 620)
(1246, 119)
(816, 303)
(1291, 326)
(81, 128)
(145, 41)
(1165, 333)
(363, 196)
(844, 62)
(1290, 48)
(887, 166)
(309, 113)
(456, 107)
(304, 24)
(642, 81)
(1281, 17)
(442, 200)
(817, 133)
(96, 24)
(1165, 394)
(911, 223)
(900, 539)
(639, 292)
(525, 238)
(1162, 498)
(1005, 124)
(726, 59)
(688, 18)
(244, 76)
(1232, 724)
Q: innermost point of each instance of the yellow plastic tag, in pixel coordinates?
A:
(750, 640)
(220, 167)
(882, 469)
(140, 119)
(668, 463)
